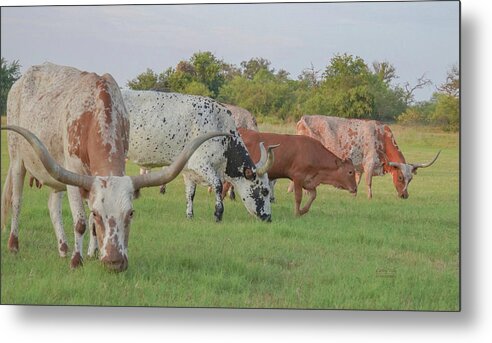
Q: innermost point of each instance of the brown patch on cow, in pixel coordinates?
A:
(13, 243)
(63, 248)
(105, 97)
(80, 227)
(248, 174)
(390, 147)
(111, 222)
(78, 136)
(76, 261)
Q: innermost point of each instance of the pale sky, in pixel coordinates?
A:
(416, 37)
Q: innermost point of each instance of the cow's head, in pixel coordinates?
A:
(403, 173)
(345, 176)
(250, 180)
(110, 198)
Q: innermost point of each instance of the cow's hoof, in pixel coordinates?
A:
(63, 249)
(76, 261)
(13, 244)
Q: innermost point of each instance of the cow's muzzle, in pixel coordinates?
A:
(404, 195)
(266, 218)
(116, 265)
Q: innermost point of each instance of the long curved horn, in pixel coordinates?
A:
(266, 159)
(52, 167)
(395, 164)
(425, 165)
(168, 174)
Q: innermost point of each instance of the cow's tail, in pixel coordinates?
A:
(6, 198)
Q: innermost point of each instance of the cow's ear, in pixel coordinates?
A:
(414, 171)
(136, 194)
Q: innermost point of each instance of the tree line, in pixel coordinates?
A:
(346, 87)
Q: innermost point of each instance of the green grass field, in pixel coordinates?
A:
(346, 253)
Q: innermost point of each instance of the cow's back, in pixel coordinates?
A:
(49, 99)
(242, 117)
(356, 139)
(161, 124)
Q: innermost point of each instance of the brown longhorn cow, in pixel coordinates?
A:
(303, 160)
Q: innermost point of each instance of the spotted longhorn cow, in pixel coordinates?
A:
(75, 133)
(368, 143)
(162, 123)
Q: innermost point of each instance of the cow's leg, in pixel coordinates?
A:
(272, 192)
(219, 205)
(214, 180)
(18, 174)
(298, 197)
(358, 177)
(190, 188)
(290, 189)
(55, 207)
(79, 224)
(225, 188)
(369, 172)
(312, 196)
(232, 193)
(92, 250)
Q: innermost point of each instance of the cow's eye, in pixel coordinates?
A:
(132, 212)
(400, 178)
(351, 172)
(248, 174)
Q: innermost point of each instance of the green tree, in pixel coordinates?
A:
(347, 87)
(447, 102)
(208, 71)
(253, 66)
(9, 73)
(197, 88)
(384, 71)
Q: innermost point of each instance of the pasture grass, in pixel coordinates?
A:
(346, 253)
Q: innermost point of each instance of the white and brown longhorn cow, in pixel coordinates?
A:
(368, 143)
(75, 137)
(162, 123)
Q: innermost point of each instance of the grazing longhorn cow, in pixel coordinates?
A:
(303, 160)
(162, 123)
(75, 128)
(368, 143)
